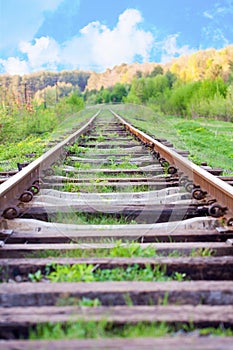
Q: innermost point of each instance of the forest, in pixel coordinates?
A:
(198, 85)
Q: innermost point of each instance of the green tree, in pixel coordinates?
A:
(158, 70)
(137, 91)
(181, 97)
(171, 78)
(118, 93)
(75, 101)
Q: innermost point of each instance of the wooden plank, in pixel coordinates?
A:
(105, 133)
(114, 155)
(226, 178)
(139, 213)
(109, 138)
(117, 184)
(132, 158)
(200, 315)
(101, 162)
(95, 235)
(205, 223)
(196, 268)
(195, 229)
(114, 293)
(165, 192)
(162, 343)
(79, 179)
(20, 250)
(103, 203)
(8, 173)
(153, 171)
(103, 145)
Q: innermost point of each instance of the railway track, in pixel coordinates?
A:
(114, 228)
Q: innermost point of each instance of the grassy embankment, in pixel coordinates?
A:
(207, 140)
(27, 133)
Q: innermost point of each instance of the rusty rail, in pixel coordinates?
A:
(218, 189)
(11, 190)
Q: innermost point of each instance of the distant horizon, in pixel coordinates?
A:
(58, 35)
(117, 65)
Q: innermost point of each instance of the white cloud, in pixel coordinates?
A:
(217, 33)
(208, 15)
(217, 12)
(14, 66)
(44, 53)
(170, 49)
(215, 36)
(101, 47)
(95, 47)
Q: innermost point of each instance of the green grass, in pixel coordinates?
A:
(90, 273)
(75, 149)
(81, 330)
(207, 139)
(95, 150)
(72, 301)
(105, 187)
(13, 153)
(124, 164)
(128, 250)
(13, 149)
(110, 163)
(91, 219)
(97, 177)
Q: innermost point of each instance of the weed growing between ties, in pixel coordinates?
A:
(109, 163)
(92, 219)
(103, 329)
(101, 176)
(71, 301)
(97, 186)
(125, 164)
(75, 149)
(120, 250)
(112, 151)
(91, 273)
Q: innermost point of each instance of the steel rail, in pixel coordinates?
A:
(218, 189)
(11, 190)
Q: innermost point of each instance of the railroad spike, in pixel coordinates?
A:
(217, 210)
(11, 212)
(198, 194)
(26, 196)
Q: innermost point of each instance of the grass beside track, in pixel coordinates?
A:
(15, 150)
(207, 140)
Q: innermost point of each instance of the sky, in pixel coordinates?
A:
(95, 35)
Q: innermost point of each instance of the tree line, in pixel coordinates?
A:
(166, 93)
(199, 85)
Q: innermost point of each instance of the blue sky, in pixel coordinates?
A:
(99, 34)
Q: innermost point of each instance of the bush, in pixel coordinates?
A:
(216, 107)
